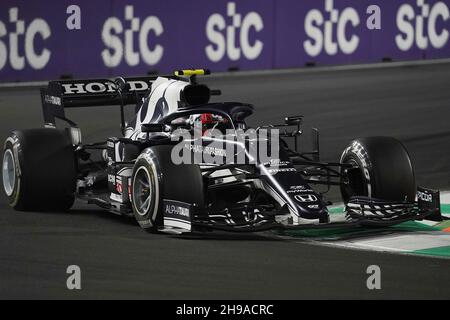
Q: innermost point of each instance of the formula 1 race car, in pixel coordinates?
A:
(172, 174)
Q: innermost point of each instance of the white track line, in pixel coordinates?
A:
(396, 243)
(403, 242)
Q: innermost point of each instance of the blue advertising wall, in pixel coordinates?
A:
(41, 40)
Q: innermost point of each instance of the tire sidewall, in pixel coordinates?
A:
(14, 198)
(358, 154)
(148, 161)
(175, 182)
(385, 166)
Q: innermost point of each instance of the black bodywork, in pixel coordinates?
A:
(230, 210)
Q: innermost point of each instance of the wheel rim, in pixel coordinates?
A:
(142, 191)
(8, 172)
(354, 177)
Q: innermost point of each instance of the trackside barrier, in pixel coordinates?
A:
(46, 39)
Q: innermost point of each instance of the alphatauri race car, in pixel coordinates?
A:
(183, 164)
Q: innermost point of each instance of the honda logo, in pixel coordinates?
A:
(305, 198)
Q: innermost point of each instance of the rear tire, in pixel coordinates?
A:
(382, 170)
(38, 170)
(165, 180)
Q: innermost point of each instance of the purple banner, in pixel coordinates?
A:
(340, 31)
(41, 40)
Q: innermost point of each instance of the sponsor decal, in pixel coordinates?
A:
(99, 87)
(278, 163)
(223, 36)
(177, 209)
(305, 198)
(280, 170)
(23, 36)
(424, 196)
(120, 41)
(429, 200)
(177, 214)
(330, 32)
(418, 25)
(53, 100)
(358, 149)
(206, 149)
(217, 147)
(299, 189)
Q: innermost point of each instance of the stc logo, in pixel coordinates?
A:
(421, 29)
(22, 35)
(120, 40)
(321, 30)
(224, 35)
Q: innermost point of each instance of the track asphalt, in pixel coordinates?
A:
(118, 260)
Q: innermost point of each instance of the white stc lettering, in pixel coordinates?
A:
(27, 35)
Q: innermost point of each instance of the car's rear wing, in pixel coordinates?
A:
(60, 95)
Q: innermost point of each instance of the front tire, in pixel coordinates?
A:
(382, 169)
(155, 178)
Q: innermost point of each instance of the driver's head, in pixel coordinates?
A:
(210, 121)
